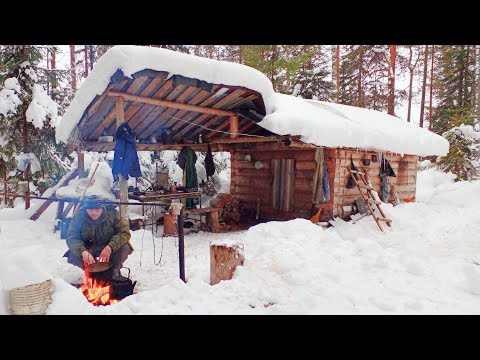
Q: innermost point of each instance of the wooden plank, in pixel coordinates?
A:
(107, 122)
(201, 98)
(170, 114)
(305, 165)
(95, 106)
(172, 104)
(219, 104)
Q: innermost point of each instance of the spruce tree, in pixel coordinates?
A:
(28, 116)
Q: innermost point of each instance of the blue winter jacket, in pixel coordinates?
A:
(125, 158)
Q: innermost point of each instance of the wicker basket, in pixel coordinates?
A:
(31, 299)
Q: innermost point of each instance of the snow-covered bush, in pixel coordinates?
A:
(462, 158)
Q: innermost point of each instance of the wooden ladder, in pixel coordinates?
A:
(370, 201)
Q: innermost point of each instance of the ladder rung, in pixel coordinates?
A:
(384, 219)
(357, 172)
(365, 186)
(372, 201)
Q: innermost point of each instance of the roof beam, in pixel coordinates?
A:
(171, 104)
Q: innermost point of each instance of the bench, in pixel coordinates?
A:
(212, 217)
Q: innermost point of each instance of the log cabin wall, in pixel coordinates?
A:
(251, 185)
(404, 167)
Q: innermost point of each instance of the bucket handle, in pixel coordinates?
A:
(124, 267)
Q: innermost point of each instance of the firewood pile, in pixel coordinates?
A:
(233, 210)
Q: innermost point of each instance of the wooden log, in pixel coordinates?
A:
(213, 222)
(224, 259)
(172, 104)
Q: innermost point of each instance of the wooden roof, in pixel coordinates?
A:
(188, 107)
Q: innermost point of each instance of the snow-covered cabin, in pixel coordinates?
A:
(172, 100)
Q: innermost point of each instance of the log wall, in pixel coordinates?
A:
(404, 167)
(251, 185)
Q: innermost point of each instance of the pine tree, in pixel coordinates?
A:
(454, 87)
(311, 80)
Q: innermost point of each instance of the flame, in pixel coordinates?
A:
(96, 292)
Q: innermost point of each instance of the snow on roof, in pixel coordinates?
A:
(334, 125)
(131, 59)
(319, 123)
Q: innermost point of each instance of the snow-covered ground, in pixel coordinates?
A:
(424, 264)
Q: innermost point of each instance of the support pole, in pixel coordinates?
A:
(81, 163)
(181, 245)
(233, 126)
(119, 108)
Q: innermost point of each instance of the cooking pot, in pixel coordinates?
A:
(102, 271)
(122, 287)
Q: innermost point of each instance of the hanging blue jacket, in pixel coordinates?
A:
(125, 158)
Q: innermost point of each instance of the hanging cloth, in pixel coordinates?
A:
(385, 171)
(321, 186)
(125, 158)
(318, 177)
(186, 160)
(209, 164)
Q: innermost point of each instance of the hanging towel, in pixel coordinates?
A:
(125, 158)
(209, 164)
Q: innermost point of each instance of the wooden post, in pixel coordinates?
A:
(26, 176)
(233, 126)
(181, 246)
(224, 259)
(119, 108)
(81, 163)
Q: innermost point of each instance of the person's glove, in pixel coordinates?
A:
(87, 258)
(105, 254)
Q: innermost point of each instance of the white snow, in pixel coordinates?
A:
(101, 184)
(427, 263)
(329, 124)
(320, 123)
(9, 99)
(41, 108)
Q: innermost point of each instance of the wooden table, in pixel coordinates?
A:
(157, 197)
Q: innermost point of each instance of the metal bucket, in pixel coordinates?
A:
(31, 299)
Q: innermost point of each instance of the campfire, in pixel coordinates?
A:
(97, 292)
(100, 289)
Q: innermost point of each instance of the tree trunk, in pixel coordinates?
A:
(391, 80)
(430, 115)
(410, 86)
(476, 119)
(73, 70)
(53, 66)
(337, 72)
(424, 85)
(86, 60)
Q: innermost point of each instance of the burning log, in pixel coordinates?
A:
(97, 292)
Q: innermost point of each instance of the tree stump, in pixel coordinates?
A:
(213, 221)
(170, 225)
(224, 259)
